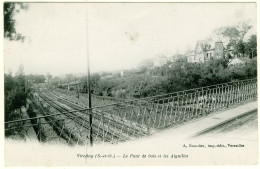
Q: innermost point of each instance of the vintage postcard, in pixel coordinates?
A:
(130, 84)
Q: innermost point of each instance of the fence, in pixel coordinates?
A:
(56, 119)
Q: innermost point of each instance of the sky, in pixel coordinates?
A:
(120, 35)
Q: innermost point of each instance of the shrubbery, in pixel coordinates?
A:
(190, 75)
(15, 96)
(180, 76)
(169, 78)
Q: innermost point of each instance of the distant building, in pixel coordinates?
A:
(205, 51)
(191, 57)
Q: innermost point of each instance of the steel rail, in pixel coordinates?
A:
(60, 108)
(116, 123)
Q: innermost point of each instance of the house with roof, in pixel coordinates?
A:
(205, 51)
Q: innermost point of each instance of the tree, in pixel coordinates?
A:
(228, 35)
(10, 9)
(106, 86)
(39, 79)
(15, 94)
(69, 78)
(94, 83)
(243, 28)
(36, 78)
(218, 35)
(251, 46)
(56, 81)
(145, 65)
(232, 34)
(240, 47)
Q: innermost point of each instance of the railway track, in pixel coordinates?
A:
(109, 136)
(58, 126)
(129, 119)
(133, 128)
(156, 112)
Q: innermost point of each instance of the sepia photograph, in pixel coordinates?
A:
(130, 83)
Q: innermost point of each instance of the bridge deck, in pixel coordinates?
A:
(198, 126)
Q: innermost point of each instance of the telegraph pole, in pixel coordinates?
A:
(89, 89)
(77, 90)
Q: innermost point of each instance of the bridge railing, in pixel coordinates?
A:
(156, 113)
(125, 120)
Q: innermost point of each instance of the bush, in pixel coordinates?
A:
(167, 79)
(15, 96)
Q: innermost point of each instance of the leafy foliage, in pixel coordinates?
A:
(10, 9)
(15, 95)
(181, 76)
(36, 78)
(251, 46)
(234, 36)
